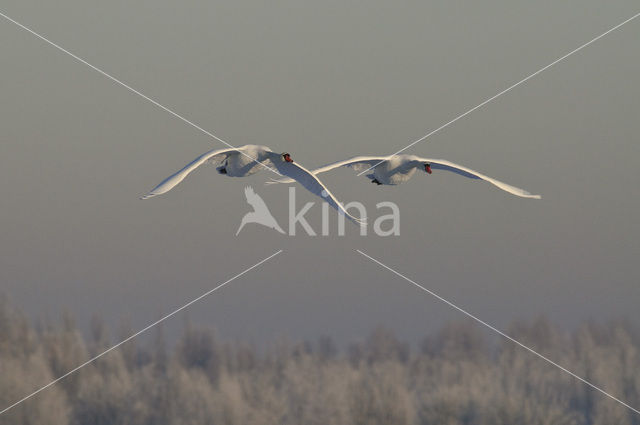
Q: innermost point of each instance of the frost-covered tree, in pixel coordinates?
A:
(459, 376)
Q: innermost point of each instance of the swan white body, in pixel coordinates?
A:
(247, 160)
(398, 169)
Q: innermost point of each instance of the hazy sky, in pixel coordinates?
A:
(323, 81)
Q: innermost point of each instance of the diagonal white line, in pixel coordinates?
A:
(499, 332)
(139, 332)
(506, 90)
(131, 89)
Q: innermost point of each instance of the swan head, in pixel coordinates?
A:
(287, 157)
(427, 168)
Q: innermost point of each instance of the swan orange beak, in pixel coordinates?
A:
(427, 168)
(287, 157)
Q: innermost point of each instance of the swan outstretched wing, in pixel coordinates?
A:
(310, 182)
(217, 155)
(358, 163)
(443, 164)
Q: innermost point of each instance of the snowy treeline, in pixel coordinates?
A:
(458, 376)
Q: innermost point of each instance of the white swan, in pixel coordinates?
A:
(399, 168)
(247, 160)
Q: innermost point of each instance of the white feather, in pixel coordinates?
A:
(397, 169)
(249, 159)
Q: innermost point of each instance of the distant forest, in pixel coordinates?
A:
(455, 377)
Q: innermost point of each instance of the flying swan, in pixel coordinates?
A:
(249, 159)
(399, 168)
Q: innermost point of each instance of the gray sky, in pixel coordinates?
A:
(323, 81)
